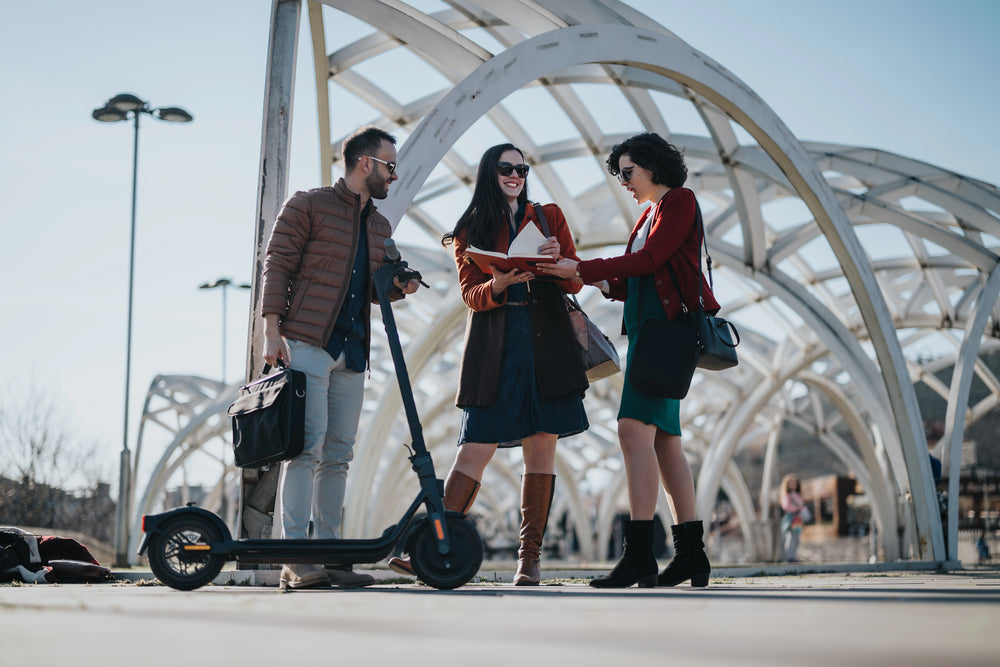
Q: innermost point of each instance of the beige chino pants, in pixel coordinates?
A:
(312, 486)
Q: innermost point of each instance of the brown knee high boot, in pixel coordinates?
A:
(460, 492)
(536, 499)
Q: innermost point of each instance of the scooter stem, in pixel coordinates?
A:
(421, 459)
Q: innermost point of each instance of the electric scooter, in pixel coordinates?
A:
(188, 546)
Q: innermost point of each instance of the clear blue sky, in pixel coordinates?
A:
(911, 76)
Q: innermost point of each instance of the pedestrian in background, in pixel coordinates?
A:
(793, 507)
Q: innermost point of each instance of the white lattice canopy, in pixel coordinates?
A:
(851, 273)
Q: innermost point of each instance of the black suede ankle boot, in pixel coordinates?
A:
(637, 564)
(690, 560)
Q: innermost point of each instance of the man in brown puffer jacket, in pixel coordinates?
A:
(316, 304)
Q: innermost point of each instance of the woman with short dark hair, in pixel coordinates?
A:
(664, 244)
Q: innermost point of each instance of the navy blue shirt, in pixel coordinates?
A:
(349, 330)
(515, 223)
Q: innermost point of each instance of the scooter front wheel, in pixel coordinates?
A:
(177, 552)
(458, 566)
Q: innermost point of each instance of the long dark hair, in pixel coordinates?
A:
(488, 211)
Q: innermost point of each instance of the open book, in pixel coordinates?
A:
(522, 255)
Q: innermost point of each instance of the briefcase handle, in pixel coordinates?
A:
(267, 366)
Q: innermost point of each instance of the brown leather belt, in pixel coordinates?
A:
(516, 303)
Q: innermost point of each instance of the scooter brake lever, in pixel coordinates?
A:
(412, 453)
(405, 275)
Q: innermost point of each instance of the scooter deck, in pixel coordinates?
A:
(330, 552)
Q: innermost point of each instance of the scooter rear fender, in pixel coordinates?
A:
(152, 522)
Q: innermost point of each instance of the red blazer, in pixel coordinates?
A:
(672, 241)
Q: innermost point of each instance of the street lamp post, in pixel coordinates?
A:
(225, 284)
(122, 107)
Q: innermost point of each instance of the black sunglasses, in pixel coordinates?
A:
(506, 169)
(391, 166)
(625, 175)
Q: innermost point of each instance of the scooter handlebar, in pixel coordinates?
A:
(404, 273)
(391, 252)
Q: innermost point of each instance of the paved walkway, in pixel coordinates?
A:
(874, 618)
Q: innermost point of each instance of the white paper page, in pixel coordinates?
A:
(489, 253)
(527, 242)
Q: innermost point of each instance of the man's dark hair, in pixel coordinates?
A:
(364, 141)
(653, 152)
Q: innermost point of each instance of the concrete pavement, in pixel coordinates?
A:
(843, 618)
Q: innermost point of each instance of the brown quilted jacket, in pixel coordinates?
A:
(309, 257)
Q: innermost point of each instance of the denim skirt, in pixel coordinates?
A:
(519, 410)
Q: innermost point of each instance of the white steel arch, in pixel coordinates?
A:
(520, 64)
(822, 251)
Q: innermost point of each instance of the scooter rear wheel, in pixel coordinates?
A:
(180, 569)
(454, 569)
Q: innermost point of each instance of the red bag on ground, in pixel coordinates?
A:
(52, 547)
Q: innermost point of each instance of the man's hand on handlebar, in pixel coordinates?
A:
(407, 281)
(409, 287)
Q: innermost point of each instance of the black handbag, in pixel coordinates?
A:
(665, 356)
(667, 352)
(718, 351)
(600, 358)
(269, 418)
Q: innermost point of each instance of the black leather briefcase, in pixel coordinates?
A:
(269, 418)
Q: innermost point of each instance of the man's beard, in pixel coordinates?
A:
(378, 187)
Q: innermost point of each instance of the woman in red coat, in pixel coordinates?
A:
(522, 380)
(665, 237)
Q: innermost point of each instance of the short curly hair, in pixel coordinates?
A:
(653, 152)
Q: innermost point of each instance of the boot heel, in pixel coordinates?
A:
(699, 580)
(647, 582)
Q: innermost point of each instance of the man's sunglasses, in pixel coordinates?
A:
(625, 175)
(391, 166)
(506, 169)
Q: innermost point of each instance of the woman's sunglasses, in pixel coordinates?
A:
(506, 169)
(625, 175)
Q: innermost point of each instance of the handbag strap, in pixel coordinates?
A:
(708, 262)
(541, 218)
(572, 303)
(704, 243)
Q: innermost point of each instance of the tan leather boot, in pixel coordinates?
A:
(303, 575)
(536, 499)
(460, 492)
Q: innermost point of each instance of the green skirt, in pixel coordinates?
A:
(664, 413)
